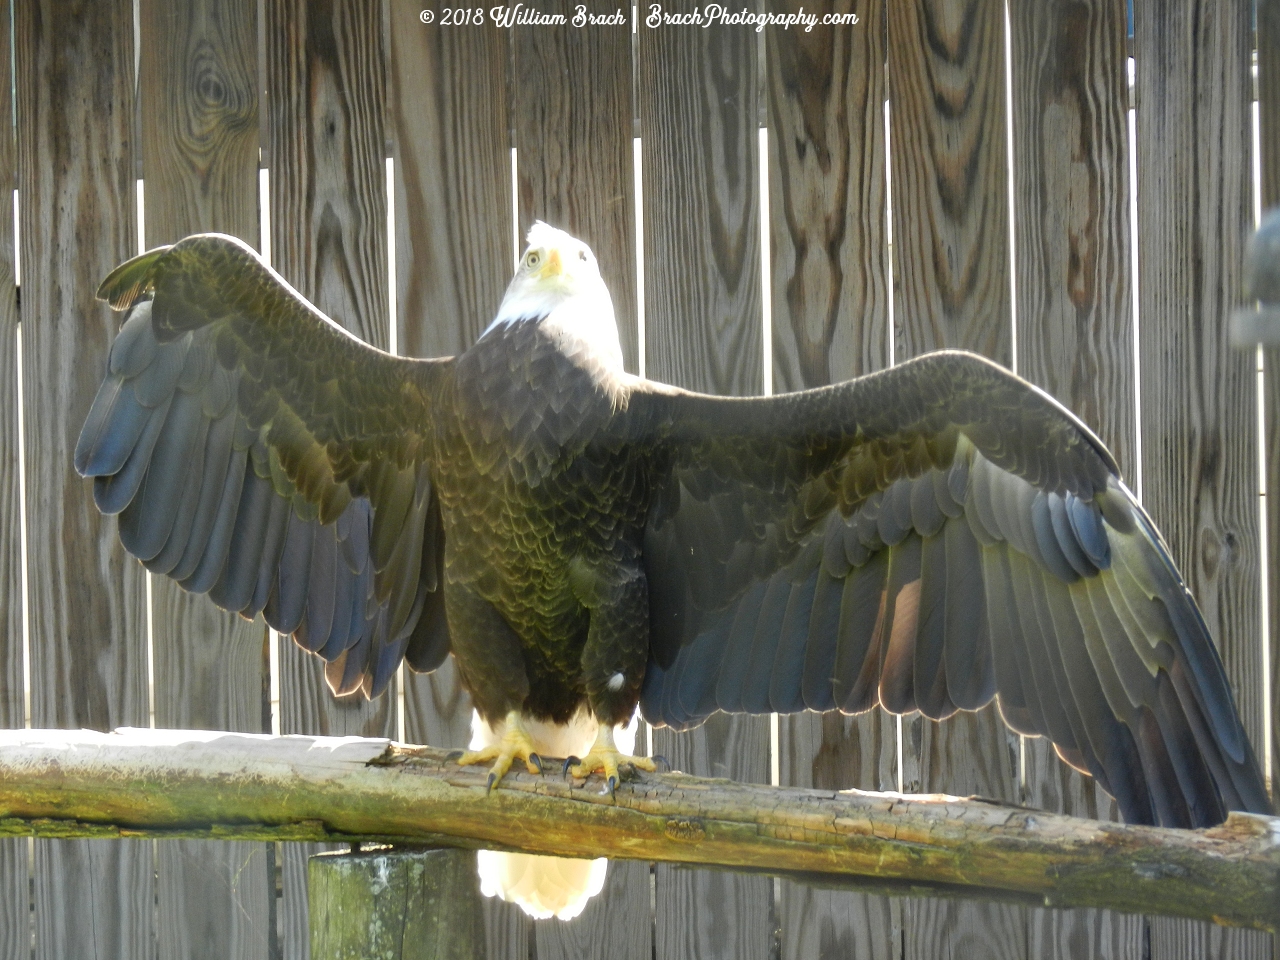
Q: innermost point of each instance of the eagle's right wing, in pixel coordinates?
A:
(257, 451)
(927, 538)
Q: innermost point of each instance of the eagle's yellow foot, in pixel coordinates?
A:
(514, 743)
(605, 758)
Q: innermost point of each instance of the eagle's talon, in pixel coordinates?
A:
(454, 755)
(569, 761)
(658, 758)
(612, 784)
(513, 744)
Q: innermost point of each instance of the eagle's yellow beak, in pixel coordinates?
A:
(553, 267)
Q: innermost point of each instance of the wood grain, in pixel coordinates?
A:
(403, 905)
(572, 120)
(949, 175)
(54, 783)
(15, 894)
(835, 752)
(1198, 417)
(1268, 40)
(706, 913)
(828, 240)
(86, 600)
(830, 321)
(698, 105)
(198, 117)
(1074, 314)
(326, 93)
(951, 289)
(451, 128)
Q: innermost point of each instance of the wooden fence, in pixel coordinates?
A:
(889, 233)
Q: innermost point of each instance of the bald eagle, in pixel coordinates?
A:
(928, 537)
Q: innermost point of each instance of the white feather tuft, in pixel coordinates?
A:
(546, 886)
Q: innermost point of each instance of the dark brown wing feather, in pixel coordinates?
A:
(929, 538)
(258, 452)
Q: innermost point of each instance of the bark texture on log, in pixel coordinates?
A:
(246, 786)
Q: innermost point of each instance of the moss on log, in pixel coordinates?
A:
(233, 786)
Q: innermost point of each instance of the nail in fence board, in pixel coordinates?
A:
(698, 106)
(326, 90)
(1198, 416)
(1075, 319)
(198, 110)
(830, 321)
(86, 599)
(15, 895)
(951, 289)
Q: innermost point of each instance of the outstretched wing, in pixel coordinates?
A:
(258, 452)
(927, 538)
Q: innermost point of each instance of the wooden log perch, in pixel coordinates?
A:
(179, 783)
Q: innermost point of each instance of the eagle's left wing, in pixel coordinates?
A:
(256, 451)
(931, 537)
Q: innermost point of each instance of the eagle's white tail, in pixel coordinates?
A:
(545, 886)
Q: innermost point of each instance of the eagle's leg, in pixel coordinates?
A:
(613, 661)
(605, 758)
(515, 743)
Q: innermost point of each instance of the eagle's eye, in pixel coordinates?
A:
(532, 259)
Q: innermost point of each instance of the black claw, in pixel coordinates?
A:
(613, 785)
(536, 761)
(455, 755)
(659, 759)
(493, 778)
(568, 762)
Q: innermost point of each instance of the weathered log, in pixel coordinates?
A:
(243, 786)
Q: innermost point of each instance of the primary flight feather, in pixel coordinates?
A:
(929, 537)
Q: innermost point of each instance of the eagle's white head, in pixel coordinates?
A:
(558, 283)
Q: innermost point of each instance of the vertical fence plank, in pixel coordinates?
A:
(1268, 39)
(698, 106)
(572, 121)
(830, 321)
(198, 109)
(448, 112)
(15, 896)
(326, 91)
(451, 127)
(1198, 417)
(951, 278)
(87, 612)
(1075, 320)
